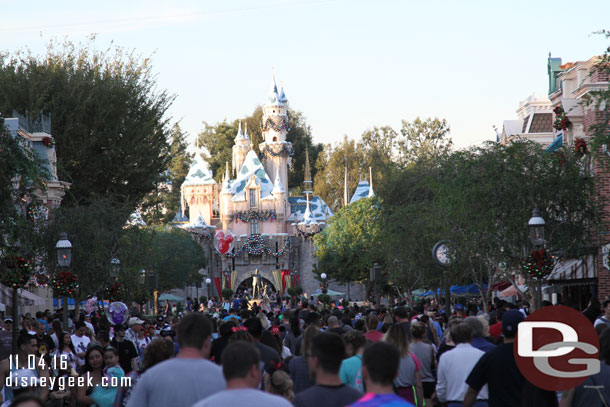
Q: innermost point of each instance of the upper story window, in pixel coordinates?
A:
(254, 227)
(253, 202)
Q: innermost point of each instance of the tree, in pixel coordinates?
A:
(424, 140)
(108, 119)
(349, 246)
(163, 202)
(218, 140)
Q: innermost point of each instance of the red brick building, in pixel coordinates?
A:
(569, 85)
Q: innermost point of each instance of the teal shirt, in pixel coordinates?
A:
(350, 371)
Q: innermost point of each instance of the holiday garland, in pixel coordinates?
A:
(580, 147)
(306, 234)
(270, 123)
(286, 148)
(42, 279)
(561, 119)
(16, 272)
(539, 263)
(247, 216)
(65, 283)
(255, 246)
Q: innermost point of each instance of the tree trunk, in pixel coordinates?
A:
(15, 332)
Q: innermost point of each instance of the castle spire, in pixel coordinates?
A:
(307, 183)
(278, 188)
(226, 180)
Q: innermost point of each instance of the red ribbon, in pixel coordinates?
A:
(539, 257)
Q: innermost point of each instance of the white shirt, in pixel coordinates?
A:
(453, 370)
(80, 345)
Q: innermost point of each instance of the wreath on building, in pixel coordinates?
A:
(49, 142)
(561, 119)
(65, 283)
(16, 272)
(580, 147)
(539, 263)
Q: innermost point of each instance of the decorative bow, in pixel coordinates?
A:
(276, 366)
(239, 328)
(275, 330)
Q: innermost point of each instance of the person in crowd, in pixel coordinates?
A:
(27, 400)
(498, 369)
(93, 372)
(225, 329)
(495, 330)
(595, 390)
(408, 381)
(80, 342)
(6, 338)
(44, 343)
(267, 353)
(41, 320)
(380, 365)
(300, 374)
(127, 350)
(134, 327)
(424, 351)
(187, 378)
(605, 318)
(457, 364)
(240, 368)
(26, 347)
(402, 317)
(334, 325)
(350, 371)
(447, 342)
(372, 334)
(56, 332)
(65, 352)
(478, 340)
(593, 310)
(277, 381)
(324, 359)
(156, 352)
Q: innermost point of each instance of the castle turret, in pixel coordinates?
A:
(240, 149)
(276, 150)
(307, 183)
(199, 190)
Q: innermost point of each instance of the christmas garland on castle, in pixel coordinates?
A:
(247, 216)
(256, 246)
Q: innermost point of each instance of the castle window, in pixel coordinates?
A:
(252, 198)
(254, 227)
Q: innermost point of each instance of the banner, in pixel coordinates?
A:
(277, 279)
(218, 285)
(285, 283)
(233, 279)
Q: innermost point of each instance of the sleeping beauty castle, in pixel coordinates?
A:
(256, 236)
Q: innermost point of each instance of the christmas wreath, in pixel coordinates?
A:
(282, 124)
(16, 272)
(580, 147)
(65, 283)
(116, 292)
(49, 142)
(561, 119)
(539, 263)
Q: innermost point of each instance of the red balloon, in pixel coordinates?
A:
(229, 238)
(223, 246)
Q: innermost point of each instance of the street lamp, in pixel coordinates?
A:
(536, 227)
(208, 281)
(324, 284)
(64, 259)
(115, 266)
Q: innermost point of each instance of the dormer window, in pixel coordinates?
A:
(253, 200)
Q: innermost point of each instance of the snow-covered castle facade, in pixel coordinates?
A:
(254, 204)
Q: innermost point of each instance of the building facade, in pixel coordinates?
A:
(268, 227)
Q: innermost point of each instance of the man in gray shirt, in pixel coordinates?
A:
(240, 366)
(186, 379)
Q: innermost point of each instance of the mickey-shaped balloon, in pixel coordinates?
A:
(224, 241)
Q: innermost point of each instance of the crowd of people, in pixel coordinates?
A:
(287, 353)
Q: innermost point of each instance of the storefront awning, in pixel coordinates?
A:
(25, 297)
(573, 269)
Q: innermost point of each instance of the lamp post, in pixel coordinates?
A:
(536, 226)
(208, 281)
(64, 259)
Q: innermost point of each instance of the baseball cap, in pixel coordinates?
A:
(459, 307)
(134, 321)
(8, 319)
(510, 322)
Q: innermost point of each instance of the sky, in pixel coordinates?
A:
(348, 65)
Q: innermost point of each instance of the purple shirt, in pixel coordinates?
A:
(381, 400)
